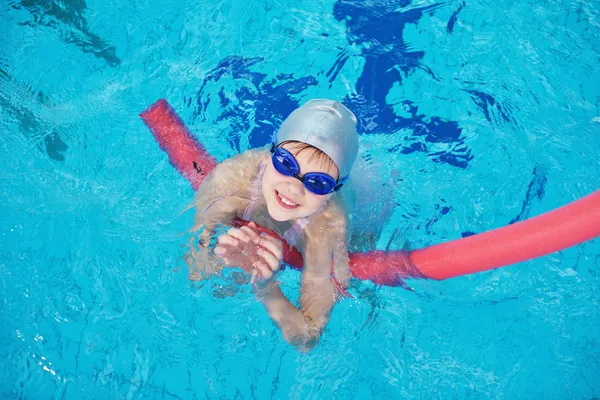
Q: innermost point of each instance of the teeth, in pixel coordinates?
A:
(286, 201)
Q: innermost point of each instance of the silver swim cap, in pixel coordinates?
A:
(327, 125)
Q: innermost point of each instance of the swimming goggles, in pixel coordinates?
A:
(316, 182)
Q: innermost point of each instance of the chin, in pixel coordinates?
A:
(279, 215)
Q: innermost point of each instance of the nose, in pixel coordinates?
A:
(295, 187)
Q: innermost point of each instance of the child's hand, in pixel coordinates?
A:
(270, 255)
(244, 248)
(238, 247)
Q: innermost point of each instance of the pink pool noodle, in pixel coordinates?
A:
(185, 153)
(564, 227)
(555, 230)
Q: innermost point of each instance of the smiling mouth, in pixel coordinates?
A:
(285, 202)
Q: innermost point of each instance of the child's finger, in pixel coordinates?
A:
(273, 245)
(271, 261)
(252, 225)
(227, 240)
(252, 234)
(239, 235)
(263, 270)
(224, 253)
(224, 250)
(220, 251)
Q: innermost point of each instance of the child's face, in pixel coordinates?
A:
(287, 198)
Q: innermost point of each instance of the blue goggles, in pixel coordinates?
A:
(316, 182)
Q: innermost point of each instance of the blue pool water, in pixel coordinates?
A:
(473, 114)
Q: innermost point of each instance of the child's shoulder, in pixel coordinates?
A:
(332, 220)
(234, 176)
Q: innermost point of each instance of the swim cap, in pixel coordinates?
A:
(327, 125)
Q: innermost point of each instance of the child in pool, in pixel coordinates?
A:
(293, 189)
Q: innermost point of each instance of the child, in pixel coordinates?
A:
(292, 189)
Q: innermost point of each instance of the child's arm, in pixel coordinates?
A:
(323, 264)
(221, 197)
(303, 327)
(225, 193)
